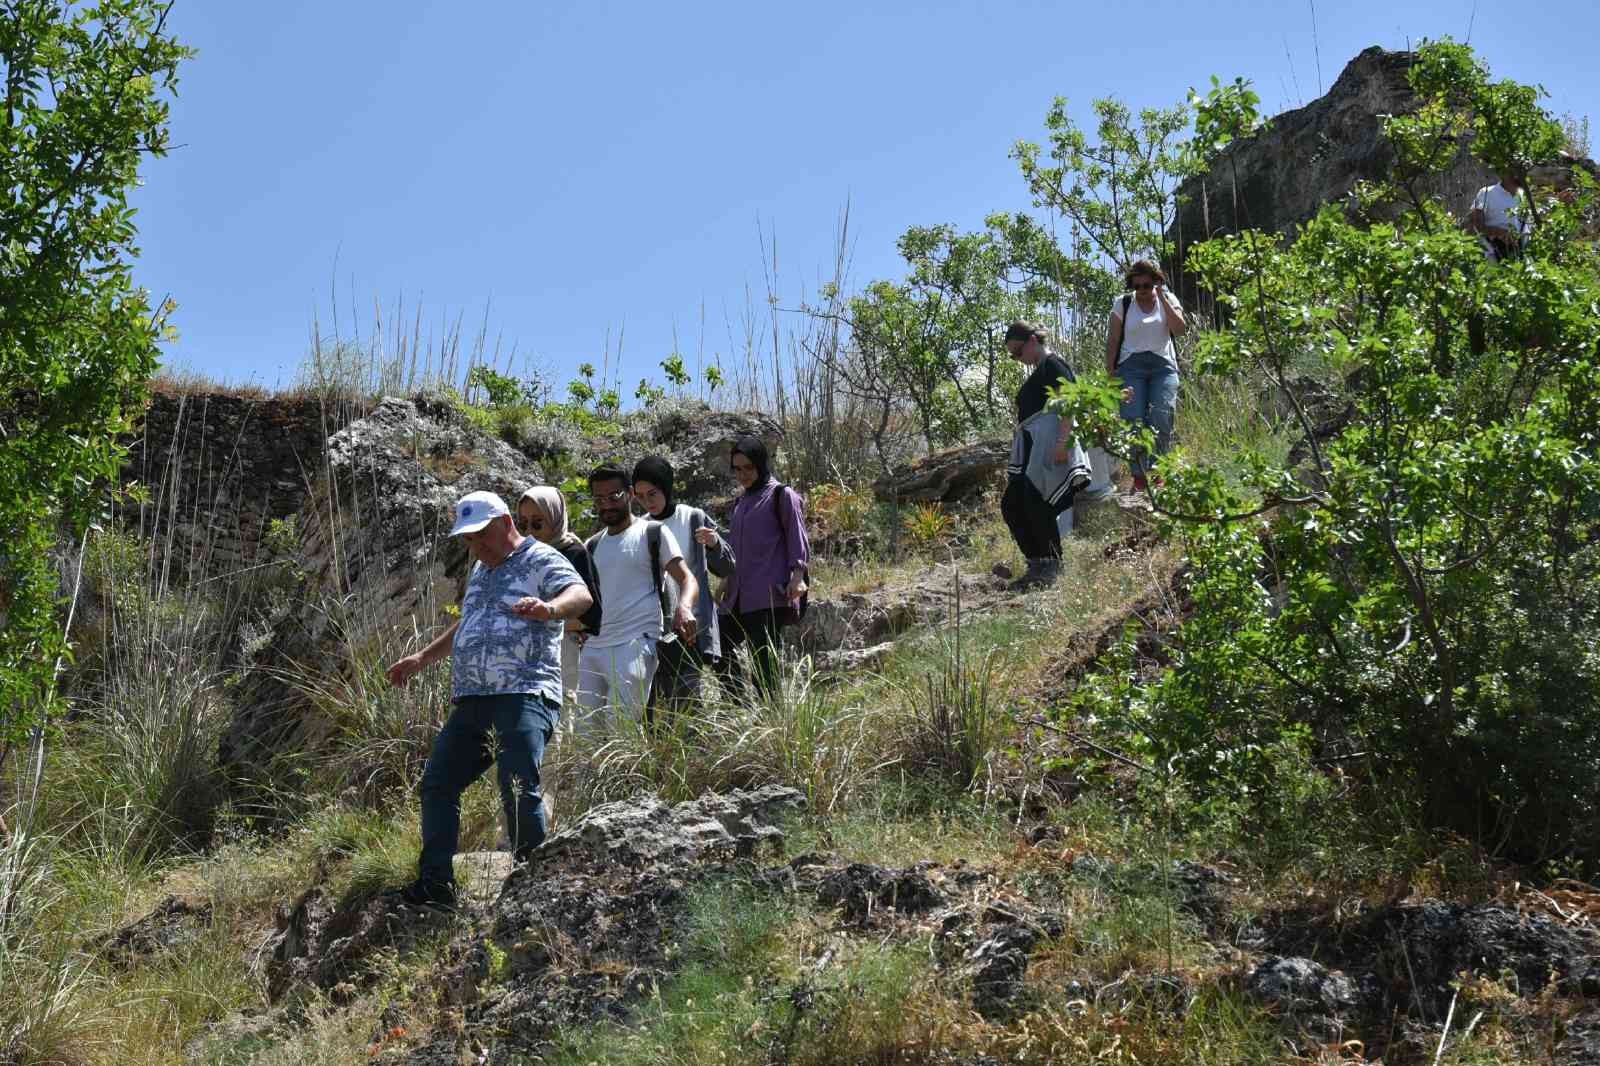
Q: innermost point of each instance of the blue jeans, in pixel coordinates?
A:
(522, 725)
(1154, 402)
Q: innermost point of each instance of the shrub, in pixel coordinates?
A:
(927, 525)
(961, 721)
(1425, 589)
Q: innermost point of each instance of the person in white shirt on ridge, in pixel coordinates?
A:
(618, 663)
(1497, 219)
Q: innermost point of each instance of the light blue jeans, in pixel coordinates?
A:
(1154, 399)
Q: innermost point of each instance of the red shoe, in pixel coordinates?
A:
(1139, 484)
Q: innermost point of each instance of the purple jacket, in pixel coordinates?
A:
(767, 553)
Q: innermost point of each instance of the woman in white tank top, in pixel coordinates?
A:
(1139, 350)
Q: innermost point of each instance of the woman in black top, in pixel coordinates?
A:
(1047, 466)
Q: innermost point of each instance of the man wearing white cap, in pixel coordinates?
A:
(505, 681)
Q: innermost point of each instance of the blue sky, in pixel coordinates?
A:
(574, 167)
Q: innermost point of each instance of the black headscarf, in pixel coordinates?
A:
(755, 450)
(657, 471)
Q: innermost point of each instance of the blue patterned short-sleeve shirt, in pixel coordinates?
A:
(497, 652)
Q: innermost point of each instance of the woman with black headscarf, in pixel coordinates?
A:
(767, 528)
(678, 665)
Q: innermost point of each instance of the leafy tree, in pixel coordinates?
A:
(933, 341)
(86, 98)
(1424, 588)
(1118, 192)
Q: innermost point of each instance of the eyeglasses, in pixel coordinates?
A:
(611, 497)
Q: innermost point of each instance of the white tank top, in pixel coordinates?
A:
(1145, 331)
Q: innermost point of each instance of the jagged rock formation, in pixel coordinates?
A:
(217, 468)
(699, 443)
(947, 476)
(1314, 155)
(377, 557)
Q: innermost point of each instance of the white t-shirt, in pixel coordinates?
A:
(1146, 331)
(630, 603)
(1498, 206)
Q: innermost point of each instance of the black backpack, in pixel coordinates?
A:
(652, 538)
(785, 505)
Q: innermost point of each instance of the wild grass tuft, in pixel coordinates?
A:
(822, 740)
(47, 1014)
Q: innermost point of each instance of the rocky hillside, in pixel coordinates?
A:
(1316, 154)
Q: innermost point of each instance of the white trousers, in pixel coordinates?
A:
(613, 680)
(1100, 486)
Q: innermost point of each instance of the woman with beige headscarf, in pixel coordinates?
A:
(542, 514)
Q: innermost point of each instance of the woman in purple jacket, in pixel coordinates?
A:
(768, 536)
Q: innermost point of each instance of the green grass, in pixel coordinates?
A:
(919, 761)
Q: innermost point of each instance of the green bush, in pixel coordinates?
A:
(1421, 596)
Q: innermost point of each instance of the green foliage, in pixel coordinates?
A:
(86, 88)
(1117, 191)
(934, 340)
(927, 526)
(1222, 116)
(504, 390)
(1423, 588)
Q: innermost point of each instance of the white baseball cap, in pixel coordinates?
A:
(476, 510)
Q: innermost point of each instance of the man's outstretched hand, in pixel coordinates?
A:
(404, 670)
(534, 608)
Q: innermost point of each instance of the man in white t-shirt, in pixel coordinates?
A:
(1497, 217)
(630, 555)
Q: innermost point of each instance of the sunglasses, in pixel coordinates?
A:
(526, 524)
(738, 466)
(1144, 286)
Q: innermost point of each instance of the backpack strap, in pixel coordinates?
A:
(589, 546)
(785, 507)
(652, 539)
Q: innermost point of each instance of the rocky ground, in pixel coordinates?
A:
(593, 925)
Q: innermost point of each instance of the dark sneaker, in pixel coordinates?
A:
(440, 895)
(1040, 572)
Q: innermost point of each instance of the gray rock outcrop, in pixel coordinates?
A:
(699, 443)
(1306, 994)
(1315, 155)
(948, 476)
(218, 468)
(378, 562)
(645, 831)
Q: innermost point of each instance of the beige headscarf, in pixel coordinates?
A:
(554, 506)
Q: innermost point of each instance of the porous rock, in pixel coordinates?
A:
(218, 468)
(1305, 992)
(1411, 955)
(946, 477)
(999, 963)
(378, 560)
(644, 831)
(323, 945)
(1313, 155)
(172, 924)
(1581, 1044)
(862, 889)
(699, 443)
